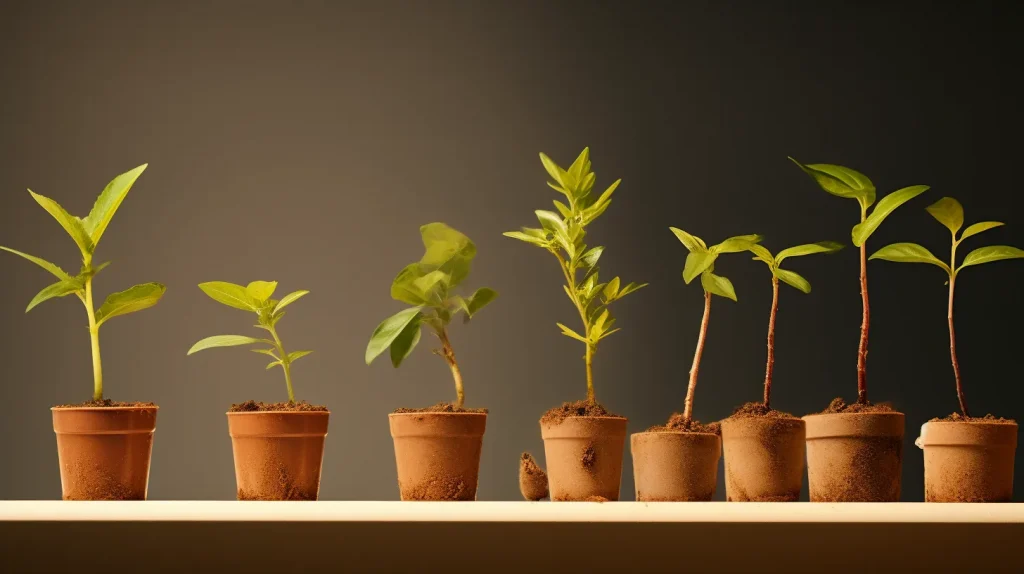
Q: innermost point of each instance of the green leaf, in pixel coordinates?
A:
(88, 272)
(990, 254)
(130, 300)
(737, 244)
(570, 333)
(691, 242)
(389, 330)
(230, 294)
(289, 299)
(793, 279)
(275, 364)
(459, 303)
(261, 290)
(841, 181)
(527, 238)
(909, 253)
(589, 259)
(631, 288)
(563, 209)
(447, 250)
(53, 269)
(405, 342)
(403, 286)
(296, 355)
(552, 222)
(974, 229)
(717, 285)
(229, 341)
(432, 287)
(108, 202)
(58, 289)
(808, 249)
(575, 170)
(761, 253)
(69, 222)
(948, 212)
(268, 352)
(697, 262)
(611, 290)
(602, 202)
(479, 299)
(556, 173)
(887, 205)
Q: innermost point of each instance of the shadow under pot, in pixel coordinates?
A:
(584, 457)
(675, 466)
(104, 452)
(968, 461)
(764, 458)
(854, 457)
(438, 454)
(278, 454)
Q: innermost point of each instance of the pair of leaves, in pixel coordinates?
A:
(700, 261)
(239, 340)
(478, 300)
(255, 297)
(792, 278)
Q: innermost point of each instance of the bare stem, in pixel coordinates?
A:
(590, 373)
(952, 334)
(770, 367)
(286, 364)
(94, 336)
(688, 411)
(449, 357)
(570, 279)
(862, 352)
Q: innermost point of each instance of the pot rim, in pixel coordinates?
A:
(233, 413)
(974, 423)
(854, 415)
(111, 409)
(676, 432)
(431, 413)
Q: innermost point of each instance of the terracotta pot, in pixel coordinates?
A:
(104, 452)
(437, 454)
(675, 466)
(584, 457)
(278, 454)
(764, 459)
(968, 461)
(854, 457)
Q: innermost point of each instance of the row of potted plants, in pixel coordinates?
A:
(853, 451)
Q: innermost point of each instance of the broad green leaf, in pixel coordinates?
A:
(296, 355)
(552, 222)
(563, 209)
(480, 298)
(556, 173)
(717, 285)
(808, 249)
(737, 244)
(69, 222)
(761, 253)
(458, 302)
(885, 206)
(289, 299)
(990, 254)
(589, 259)
(908, 253)
(948, 212)
(841, 181)
(230, 294)
(405, 342)
(447, 250)
(527, 238)
(58, 289)
(611, 290)
(793, 279)
(403, 287)
(130, 300)
(697, 262)
(432, 287)
(261, 290)
(108, 202)
(53, 269)
(691, 242)
(388, 331)
(978, 228)
(229, 341)
(570, 333)
(631, 288)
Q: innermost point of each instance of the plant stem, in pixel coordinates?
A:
(286, 364)
(952, 334)
(449, 356)
(570, 279)
(862, 352)
(770, 368)
(688, 411)
(94, 336)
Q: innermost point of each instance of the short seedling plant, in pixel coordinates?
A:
(774, 263)
(700, 261)
(86, 232)
(949, 212)
(429, 285)
(850, 184)
(562, 234)
(256, 297)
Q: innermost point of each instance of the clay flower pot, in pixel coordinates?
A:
(854, 457)
(438, 454)
(764, 458)
(584, 457)
(968, 461)
(104, 452)
(278, 454)
(675, 465)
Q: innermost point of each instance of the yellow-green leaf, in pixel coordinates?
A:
(130, 300)
(885, 206)
(69, 222)
(108, 202)
(948, 212)
(54, 270)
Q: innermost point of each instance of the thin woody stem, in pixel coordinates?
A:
(770, 367)
(449, 356)
(862, 352)
(952, 334)
(570, 279)
(692, 386)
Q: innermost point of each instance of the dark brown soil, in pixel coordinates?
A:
(760, 411)
(575, 409)
(959, 418)
(440, 408)
(838, 405)
(533, 481)
(261, 407)
(676, 423)
(589, 457)
(106, 403)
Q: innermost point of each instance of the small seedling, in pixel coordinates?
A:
(562, 235)
(255, 298)
(86, 232)
(429, 285)
(948, 212)
(701, 262)
(774, 263)
(850, 184)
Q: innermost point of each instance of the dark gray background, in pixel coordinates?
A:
(306, 142)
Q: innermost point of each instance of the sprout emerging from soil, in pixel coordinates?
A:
(850, 184)
(774, 263)
(429, 285)
(950, 213)
(256, 298)
(562, 235)
(86, 232)
(701, 262)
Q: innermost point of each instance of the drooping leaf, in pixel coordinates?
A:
(130, 300)
(69, 222)
(717, 285)
(52, 268)
(761, 253)
(58, 289)
(405, 342)
(433, 287)
(296, 355)
(552, 222)
(288, 300)
(696, 263)
(691, 242)
(108, 202)
(978, 228)
(261, 290)
(230, 294)
(229, 341)
(793, 279)
(447, 250)
(403, 287)
(885, 206)
(736, 244)
(275, 364)
(570, 333)
(948, 212)
(841, 181)
(388, 331)
(591, 256)
(808, 249)
(990, 254)
(479, 299)
(556, 173)
(909, 253)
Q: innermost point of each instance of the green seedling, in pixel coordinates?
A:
(562, 234)
(256, 298)
(774, 263)
(948, 212)
(86, 232)
(850, 184)
(700, 261)
(429, 285)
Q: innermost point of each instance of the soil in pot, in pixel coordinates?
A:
(677, 461)
(278, 449)
(968, 459)
(583, 445)
(437, 451)
(854, 453)
(533, 481)
(104, 449)
(764, 455)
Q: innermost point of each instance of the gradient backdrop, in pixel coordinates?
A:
(305, 142)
